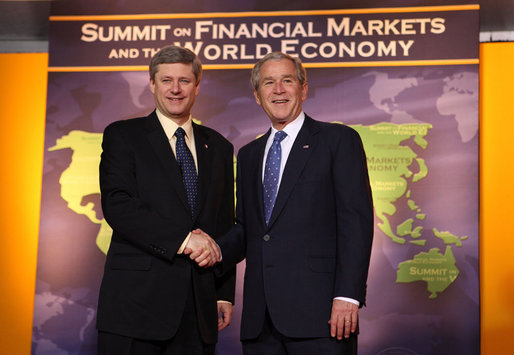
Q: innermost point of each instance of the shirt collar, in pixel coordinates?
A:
(292, 128)
(170, 126)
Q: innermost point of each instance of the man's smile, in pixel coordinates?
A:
(280, 101)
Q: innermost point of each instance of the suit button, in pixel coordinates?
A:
(266, 238)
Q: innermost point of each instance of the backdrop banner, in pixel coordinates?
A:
(404, 76)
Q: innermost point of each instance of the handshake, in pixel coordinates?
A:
(202, 249)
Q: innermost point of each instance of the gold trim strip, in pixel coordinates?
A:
(100, 68)
(265, 13)
(398, 63)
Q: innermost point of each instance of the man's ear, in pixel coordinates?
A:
(257, 99)
(305, 90)
(152, 86)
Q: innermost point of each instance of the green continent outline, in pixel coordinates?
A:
(437, 270)
(81, 178)
(389, 165)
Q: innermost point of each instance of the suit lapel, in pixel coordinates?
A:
(204, 157)
(162, 149)
(300, 152)
(257, 173)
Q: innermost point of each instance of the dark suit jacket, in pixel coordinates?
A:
(318, 242)
(145, 282)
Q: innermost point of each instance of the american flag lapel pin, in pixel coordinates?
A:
(306, 146)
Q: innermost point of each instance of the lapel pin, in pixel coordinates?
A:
(306, 146)
(206, 146)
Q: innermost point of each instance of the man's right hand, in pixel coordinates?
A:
(202, 249)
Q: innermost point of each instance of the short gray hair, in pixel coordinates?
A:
(256, 71)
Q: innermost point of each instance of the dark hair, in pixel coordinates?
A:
(256, 71)
(175, 54)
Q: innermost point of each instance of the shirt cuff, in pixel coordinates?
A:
(223, 301)
(351, 300)
(184, 243)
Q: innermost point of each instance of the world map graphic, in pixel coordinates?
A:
(417, 244)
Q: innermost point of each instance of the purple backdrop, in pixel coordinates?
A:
(434, 105)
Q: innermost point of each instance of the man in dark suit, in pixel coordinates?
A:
(161, 177)
(304, 223)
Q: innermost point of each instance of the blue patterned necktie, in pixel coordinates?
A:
(271, 174)
(187, 167)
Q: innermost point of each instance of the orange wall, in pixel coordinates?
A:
(22, 116)
(497, 197)
(22, 105)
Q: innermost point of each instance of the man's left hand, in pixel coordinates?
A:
(343, 319)
(225, 317)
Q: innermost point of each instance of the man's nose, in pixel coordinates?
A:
(175, 87)
(278, 88)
